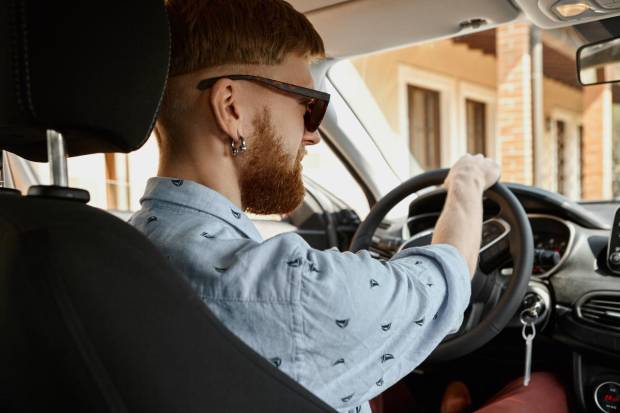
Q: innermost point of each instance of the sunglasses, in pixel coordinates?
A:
(315, 108)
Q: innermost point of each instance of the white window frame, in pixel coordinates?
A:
(453, 95)
(448, 106)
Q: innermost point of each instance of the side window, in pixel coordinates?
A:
(118, 191)
(323, 166)
(117, 181)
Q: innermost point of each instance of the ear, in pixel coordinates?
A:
(224, 101)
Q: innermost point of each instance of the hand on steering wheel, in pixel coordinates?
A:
(485, 298)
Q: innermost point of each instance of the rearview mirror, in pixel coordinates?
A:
(599, 62)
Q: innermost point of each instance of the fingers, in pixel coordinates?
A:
(485, 171)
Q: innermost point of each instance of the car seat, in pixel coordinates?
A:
(92, 316)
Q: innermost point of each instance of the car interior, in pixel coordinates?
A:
(94, 318)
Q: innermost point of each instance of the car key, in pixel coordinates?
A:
(528, 319)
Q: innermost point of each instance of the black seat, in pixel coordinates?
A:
(92, 317)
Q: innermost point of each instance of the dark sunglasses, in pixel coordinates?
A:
(315, 109)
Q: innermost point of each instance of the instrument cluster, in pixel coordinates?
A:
(552, 238)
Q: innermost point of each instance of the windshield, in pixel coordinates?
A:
(509, 93)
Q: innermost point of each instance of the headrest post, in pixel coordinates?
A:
(57, 158)
(59, 187)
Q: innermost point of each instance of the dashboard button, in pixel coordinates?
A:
(607, 397)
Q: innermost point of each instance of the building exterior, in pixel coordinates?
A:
(477, 94)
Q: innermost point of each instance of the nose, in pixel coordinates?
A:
(311, 138)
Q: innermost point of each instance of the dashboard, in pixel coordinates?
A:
(570, 276)
(553, 237)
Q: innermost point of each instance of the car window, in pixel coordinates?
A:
(323, 166)
(426, 105)
(117, 181)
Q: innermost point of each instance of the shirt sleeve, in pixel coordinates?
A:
(346, 326)
(366, 323)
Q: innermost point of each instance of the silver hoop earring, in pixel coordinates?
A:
(236, 150)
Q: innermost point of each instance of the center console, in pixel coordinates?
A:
(597, 383)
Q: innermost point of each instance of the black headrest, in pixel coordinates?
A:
(93, 70)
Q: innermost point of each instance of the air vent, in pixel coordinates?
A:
(609, 4)
(601, 308)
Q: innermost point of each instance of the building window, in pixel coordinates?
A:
(424, 136)
(117, 181)
(476, 121)
(560, 131)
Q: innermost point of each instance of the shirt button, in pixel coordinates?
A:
(235, 214)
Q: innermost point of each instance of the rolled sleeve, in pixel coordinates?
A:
(368, 323)
(453, 267)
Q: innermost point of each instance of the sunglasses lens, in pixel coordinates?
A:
(314, 115)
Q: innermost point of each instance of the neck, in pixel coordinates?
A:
(206, 165)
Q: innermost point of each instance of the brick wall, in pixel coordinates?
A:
(596, 156)
(514, 108)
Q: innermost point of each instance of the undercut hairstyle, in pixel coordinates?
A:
(211, 33)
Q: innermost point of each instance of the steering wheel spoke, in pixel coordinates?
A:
(481, 303)
(495, 245)
(471, 318)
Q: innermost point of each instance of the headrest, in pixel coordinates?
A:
(93, 70)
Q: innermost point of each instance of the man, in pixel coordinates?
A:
(238, 112)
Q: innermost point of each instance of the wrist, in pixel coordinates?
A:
(466, 184)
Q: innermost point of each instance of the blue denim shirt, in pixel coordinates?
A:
(346, 326)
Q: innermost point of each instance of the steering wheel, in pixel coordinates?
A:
(493, 301)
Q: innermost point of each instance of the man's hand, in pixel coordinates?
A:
(483, 172)
(460, 223)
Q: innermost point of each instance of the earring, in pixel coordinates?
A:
(240, 149)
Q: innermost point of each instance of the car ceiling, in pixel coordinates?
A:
(353, 27)
(306, 6)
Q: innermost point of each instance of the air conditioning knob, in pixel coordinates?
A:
(607, 397)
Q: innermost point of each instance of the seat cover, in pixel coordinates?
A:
(93, 318)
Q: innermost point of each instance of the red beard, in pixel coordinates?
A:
(269, 185)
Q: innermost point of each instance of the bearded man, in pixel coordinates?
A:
(238, 112)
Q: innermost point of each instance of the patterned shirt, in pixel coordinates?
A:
(346, 326)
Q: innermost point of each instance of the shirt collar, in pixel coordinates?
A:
(193, 195)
